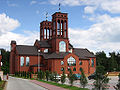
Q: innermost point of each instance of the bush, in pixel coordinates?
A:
(51, 76)
(0, 78)
(55, 77)
(47, 75)
(63, 77)
(83, 79)
(71, 77)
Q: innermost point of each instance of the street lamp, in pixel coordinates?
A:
(38, 60)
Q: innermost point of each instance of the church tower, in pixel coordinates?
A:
(45, 30)
(60, 25)
(60, 32)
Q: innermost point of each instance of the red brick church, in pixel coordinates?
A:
(52, 52)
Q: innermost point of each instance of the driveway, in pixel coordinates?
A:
(22, 84)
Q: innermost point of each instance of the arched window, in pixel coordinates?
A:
(62, 46)
(44, 33)
(74, 69)
(46, 51)
(61, 27)
(48, 33)
(22, 61)
(81, 69)
(62, 68)
(80, 63)
(71, 61)
(92, 62)
(58, 27)
(65, 27)
(62, 62)
(27, 61)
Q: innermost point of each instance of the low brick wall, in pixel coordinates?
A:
(113, 73)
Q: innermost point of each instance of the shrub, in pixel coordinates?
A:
(0, 78)
(47, 75)
(71, 77)
(83, 79)
(63, 77)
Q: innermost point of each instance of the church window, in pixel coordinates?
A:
(47, 33)
(61, 27)
(58, 27)
(62, 46)
(92, 62)
(62, 68)
(81, 69)
(71, 61)
(80, 63)
(74, 69)
(44, 33)
(22, 61)
(70, 51)
(46, 51)
(27, 61)
(62, 62)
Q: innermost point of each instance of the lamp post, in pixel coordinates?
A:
(38, 60)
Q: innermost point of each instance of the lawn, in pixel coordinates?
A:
(64, 86)
(2, 84)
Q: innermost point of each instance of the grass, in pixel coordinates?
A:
(2, 84)
(64, 86)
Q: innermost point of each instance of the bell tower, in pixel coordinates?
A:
(60, 39)
(60, 25)
(45, 30)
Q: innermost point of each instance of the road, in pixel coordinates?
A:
(22, 84)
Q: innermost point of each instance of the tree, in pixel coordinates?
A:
(5, 60)
(102, 60)
(117, 87)
(51, 75)
(112, 62)
(101, 80)
(71, 77)
(63, 77)
(83, 79)
(47, 75)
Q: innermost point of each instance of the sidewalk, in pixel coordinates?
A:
(47, 86)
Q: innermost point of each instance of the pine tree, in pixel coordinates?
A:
(71, 77)
(83, 79)
(101, 80)
(63, 77)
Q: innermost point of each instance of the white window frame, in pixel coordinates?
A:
(62, 46)
(21, 61)
(27, 61)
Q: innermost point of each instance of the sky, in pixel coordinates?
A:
(93, 24)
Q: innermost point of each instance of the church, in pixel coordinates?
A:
(52, 52)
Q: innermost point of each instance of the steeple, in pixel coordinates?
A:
(59, 7)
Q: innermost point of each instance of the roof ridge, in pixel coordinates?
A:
(25, 45)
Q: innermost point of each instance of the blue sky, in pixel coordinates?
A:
(93, 23)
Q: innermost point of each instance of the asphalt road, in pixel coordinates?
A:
(22, 84)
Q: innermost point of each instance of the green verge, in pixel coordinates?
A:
(2, 84)
(63, 85)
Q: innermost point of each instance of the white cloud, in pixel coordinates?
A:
(33, 2)
(89, 9)
(107, 5)
(7, 25)
(104, 35)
